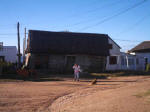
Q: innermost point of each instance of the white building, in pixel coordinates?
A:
(8, 53)
(142, 50)
(113, 59)
(125, 61)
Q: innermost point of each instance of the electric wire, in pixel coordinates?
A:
(134, 25)
(113, 16)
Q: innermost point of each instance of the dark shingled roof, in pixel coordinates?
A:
(67, 43)
(142, 47)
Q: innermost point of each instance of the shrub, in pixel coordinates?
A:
(7, 68)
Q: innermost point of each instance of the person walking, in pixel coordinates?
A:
(76, 72)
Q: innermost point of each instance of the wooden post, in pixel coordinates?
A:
(19, 55)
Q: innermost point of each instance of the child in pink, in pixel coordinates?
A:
(76, 72)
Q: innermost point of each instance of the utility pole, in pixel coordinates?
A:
(19, 54)
(25, 37)
(24, 44)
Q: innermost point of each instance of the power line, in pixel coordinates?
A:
(115, 15)
(8, 34)
(98, 8)
(90, 11)
(128, 40)
(84, 21)
(135, 25)
(7, 25)
(11, 33)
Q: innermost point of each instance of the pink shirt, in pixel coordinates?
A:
(76, 69)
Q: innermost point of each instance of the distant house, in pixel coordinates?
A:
(136, 59)
(8, 53)
(128, 61)
(142, 50)
(58, 51)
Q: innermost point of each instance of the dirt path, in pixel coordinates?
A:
(66, 96)
(115, 99)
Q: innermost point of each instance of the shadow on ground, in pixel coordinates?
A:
(43, 77)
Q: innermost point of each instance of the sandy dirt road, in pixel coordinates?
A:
(128, 97)
(68, 96)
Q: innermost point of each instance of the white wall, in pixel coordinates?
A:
(115, 48)
(115, 51)
(147, 55)
(132, 65)
(9, 53)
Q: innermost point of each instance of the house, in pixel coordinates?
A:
(113, 59)
(8, 53)
(58, 51)
(126, 61)
(142, 50)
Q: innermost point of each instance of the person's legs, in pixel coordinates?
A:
(77, 76)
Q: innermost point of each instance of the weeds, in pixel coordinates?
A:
(144, 94)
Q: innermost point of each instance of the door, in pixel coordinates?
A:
(2, 58)
(70, 61)
(146, 62)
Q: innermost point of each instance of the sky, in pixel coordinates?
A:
(127, 22)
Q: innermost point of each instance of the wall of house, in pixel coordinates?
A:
(115, 51)
(91, 63)
(110, 66)
(141, 64)
(128, 62)
(115, 48)
(64, 63)
(123, 58)
(145, 55)
(9, 53)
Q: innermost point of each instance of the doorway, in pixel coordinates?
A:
(2, 58)
(70, 61)
(146, 62)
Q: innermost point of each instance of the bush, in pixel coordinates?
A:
(147, 67)
(7, 68)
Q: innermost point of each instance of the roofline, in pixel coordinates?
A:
(114, 41)
(79, 33)
(132, 50)
(69, 32)
(9, 46)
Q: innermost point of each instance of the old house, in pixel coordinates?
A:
(126, 61)
(142, 50)
(113, 59)
(58, 51)
(8, 53)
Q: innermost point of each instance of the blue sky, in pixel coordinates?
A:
(77, 16)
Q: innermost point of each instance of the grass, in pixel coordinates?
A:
(144, 94)
(121, 73)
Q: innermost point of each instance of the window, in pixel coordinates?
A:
(112, 60)
(110, 46)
